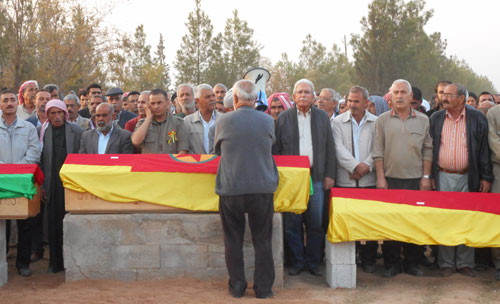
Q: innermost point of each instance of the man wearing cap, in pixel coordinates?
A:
(160, 131)
(105, 139)
(115, 98)
(19, 144)
(59, 138)
(26, 98)
(198, 124)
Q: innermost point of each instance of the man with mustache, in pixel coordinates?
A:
(306, 130)
(185, 97)
(198, 124)
(19, 144)
(59, 139)
(142, 102)
(73, 104)
(402, 151)
(26, 97)
(95, 100)
(106, 139)
(41, 98)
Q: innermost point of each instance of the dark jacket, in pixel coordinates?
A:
(85, 112)
(119, 142)
(287, 141)
(476, 128)
(124, 117)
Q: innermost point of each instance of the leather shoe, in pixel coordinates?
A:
(369, 268)
(294, 271)
(391, 272)
(497, 275)
(414, 271)
(238, 290)
(315, 271)
(35, 257)
(467, 271)
(264, 296)
(446, 271)
(24, 272)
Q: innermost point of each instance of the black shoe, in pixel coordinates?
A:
(497, 275)
(446, 271)
(294, 271)
(238, 290)
(391, 272)
(315, 271)
(264, 296)
(414, 271)
(369, 268)
(24, 272)
(35, 257)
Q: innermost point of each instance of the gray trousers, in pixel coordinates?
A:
(454, 256)
(495, 188)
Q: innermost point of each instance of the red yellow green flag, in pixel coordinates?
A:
(419, 217)
(177, 180)
(18, 180)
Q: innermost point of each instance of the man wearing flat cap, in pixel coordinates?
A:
(115, 98)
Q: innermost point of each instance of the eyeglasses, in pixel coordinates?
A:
(448, 95)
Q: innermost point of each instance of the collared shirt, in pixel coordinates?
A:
(10, 127)
(453, 150)
(102, 143)
(403, 145)
(332, 118)
(305, 137)
(206, 128)
(356, 129)
(168, 136)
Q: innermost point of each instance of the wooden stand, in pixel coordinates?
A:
(77, 202)
(20, 207)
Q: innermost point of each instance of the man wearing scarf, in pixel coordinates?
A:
(59, 138)
(278, 102)
(26, 98)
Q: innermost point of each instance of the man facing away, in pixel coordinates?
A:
(246, 180)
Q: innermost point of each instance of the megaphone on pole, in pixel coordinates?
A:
(259, 76)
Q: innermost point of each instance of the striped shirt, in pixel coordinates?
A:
(453, 151)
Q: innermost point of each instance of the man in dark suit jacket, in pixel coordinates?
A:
(59, 139)
(305, 130)
(115, 98)
(105, 138)
(246, 180)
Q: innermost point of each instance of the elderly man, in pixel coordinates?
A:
(185, 97)
(115, 98)
(494, 143)
(41, 98)
(305, 130)
(229, 101)
(106, 139)
(160, 131)
(26, 97)
(72, 103)
(92, 90)
(328, 101)
(220, 92)
(198, 124)
(353, 132)
(439, 90)
(246, 180)
(19, 144)
(460, 164)
(402, 151)
(59, 139)
(142, 102)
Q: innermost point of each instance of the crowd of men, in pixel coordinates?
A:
(395, 141)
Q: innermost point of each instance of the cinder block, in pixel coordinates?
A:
(341, 276)
(3, 273)
(184, 256)
(136, 256)
(340, 253)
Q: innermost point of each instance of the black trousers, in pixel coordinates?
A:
(392, 249)
(37, 236)
(55, 216)
(24, 235)
(260, 209)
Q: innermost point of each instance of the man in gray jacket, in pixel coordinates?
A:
(19, 144)
(246, 180)
(305, 130)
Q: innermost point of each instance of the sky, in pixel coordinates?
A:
(471, 28)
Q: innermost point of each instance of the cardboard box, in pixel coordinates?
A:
(20, 207)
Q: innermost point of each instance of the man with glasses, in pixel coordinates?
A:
(72, 105)
(460, 164)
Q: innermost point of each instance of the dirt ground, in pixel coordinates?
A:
(43, 287)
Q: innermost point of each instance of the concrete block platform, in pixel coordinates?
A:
(340, 264)
(155, 246)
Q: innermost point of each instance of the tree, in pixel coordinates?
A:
(240, 52)
(192, 59)
(162, 79)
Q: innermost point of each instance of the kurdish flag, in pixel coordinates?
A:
(18, 180)
(419, 217)
(177, 180)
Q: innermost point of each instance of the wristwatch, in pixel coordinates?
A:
(427, 176)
